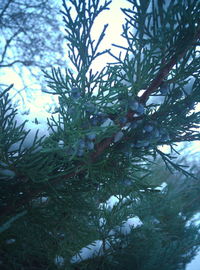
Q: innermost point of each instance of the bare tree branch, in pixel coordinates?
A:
(5, 8)
(7, 46)
(22, 30)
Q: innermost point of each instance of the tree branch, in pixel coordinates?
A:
(6, 6)
(26, 63)
(6, 48)
(166, 69)
(102, 146)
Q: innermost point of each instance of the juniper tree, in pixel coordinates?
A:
(104, 141)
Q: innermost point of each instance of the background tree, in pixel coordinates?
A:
(104, 141)
(28, 30)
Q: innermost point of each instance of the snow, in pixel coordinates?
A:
(127, 226)
(161, 187)
(108, 122)
(10, 241)
(59, 261)
(194, 220)
(96, 248)
(102, 222)
(118, 136)
(110, 203)
(130, 223)
(43, 199)
(92, 250)
(36, 122)
(61, 144)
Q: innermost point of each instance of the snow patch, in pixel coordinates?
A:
(59, 261)
(90, 251)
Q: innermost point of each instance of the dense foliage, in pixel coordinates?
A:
(106, 139)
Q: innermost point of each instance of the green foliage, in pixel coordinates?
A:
(105, 140)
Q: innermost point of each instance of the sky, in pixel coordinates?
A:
(195, 263)
(115, 18)
(113, 35)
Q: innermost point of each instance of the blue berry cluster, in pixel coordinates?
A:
(164, 89)
(95, 117)
(75, 93)
(90, 108)
(151, 134)
(86, 144)
(135, 106)
(129, 102)
(146, 134)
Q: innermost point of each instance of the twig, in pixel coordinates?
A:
(6, 48)
(5, 7)
(166, 69)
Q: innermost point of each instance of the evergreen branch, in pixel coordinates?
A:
(7, 224)
(167, 68)
(169, 164)
(105, 143)
(6, 90)
(31, 194)
(100, 148)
